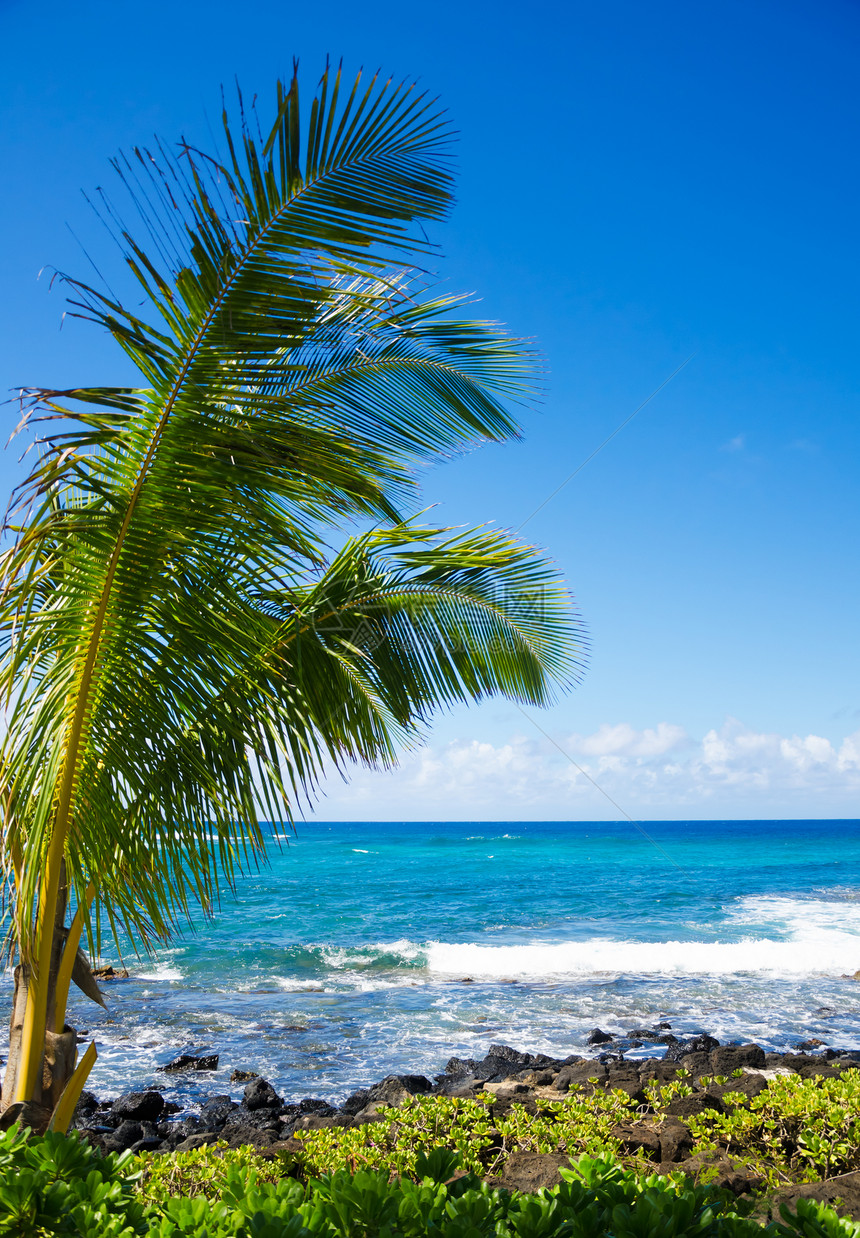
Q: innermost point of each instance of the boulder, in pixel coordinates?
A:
(656, 1070)
(84, 1110)
(126, 1134)
(748, 1085)
(216, 1111)
(693, 1044)
(149, 1143)
(579, 1074)
(514, 1056)
(676, 1142)
(734, 1057)
(317, 1122)
(537, 1078)
(626, 1079)
(639, 1137)
(531, 1171)
(356, 1102)
(139, 1106)
(244, 1135)
(841, 1193)
(721, 1171)
(460, 1067)
(312, 1105)
(816, 1068)
(260, 1119)
(259, 1094)
(597, 1037)
(692, 1106)
(195, 1141)
(696, 1064)
(188, 1061)
(394, 1089)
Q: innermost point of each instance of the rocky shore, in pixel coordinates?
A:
(267, 1122)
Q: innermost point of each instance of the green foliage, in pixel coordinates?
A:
(180, 646)
(798, 1128)
(470, 1128)
(203, 1171)
(596, 1198)
(60, 1185)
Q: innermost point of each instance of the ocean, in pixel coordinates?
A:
(364, 949)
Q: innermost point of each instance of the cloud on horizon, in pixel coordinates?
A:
(660, 772)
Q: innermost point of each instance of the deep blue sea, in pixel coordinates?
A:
(364, 949)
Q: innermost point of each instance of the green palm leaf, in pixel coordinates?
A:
(181, 652)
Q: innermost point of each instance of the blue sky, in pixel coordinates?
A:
(638, 185)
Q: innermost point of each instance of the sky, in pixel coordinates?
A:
(641, 188)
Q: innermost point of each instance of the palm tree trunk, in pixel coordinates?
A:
(59, 1050)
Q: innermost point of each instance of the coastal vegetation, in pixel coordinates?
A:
(183, 653)
(771, 1152)
(428, 1166)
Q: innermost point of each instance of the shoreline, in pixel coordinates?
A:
(262, 1119)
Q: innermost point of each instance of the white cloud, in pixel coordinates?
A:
(658, 772)
(622, 739)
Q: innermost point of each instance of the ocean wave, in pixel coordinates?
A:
(160, 972)
(814, 956)
(383, 963)
(805, 918)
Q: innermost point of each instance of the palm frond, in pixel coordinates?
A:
(180, 651)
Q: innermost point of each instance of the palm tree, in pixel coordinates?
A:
(183, 655)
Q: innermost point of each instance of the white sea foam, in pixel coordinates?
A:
(160, 972)
(669, 958)
(799, 916)
(345, 957)
(805, 937)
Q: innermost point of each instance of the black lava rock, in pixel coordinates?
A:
(126, 1134)
(259, 1094)
(139, 1106)
(216, 1111)
(322, 1107)
(188, 1061)
(695, 1044)
(514, 1056)
(356, 1102)
(733, 1057)
(653, 1036)
(597, 1037)
(460, 1067)
(391, 1089)
(266, 1118)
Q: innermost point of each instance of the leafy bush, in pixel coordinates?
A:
(597, 1198)
(810, 1127)
(419, 1173)
(203, 1171)
(578, 1124)
(798, 1129)
(60, 1185)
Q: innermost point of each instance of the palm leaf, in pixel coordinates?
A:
(181, 652)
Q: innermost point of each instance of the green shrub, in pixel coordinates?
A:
(799, 1128)
(203, 1171)
(57, 1184)
(419, 1173)
(578, 1124)
(598, 1198)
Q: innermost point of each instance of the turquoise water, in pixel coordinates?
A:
(376, 947)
